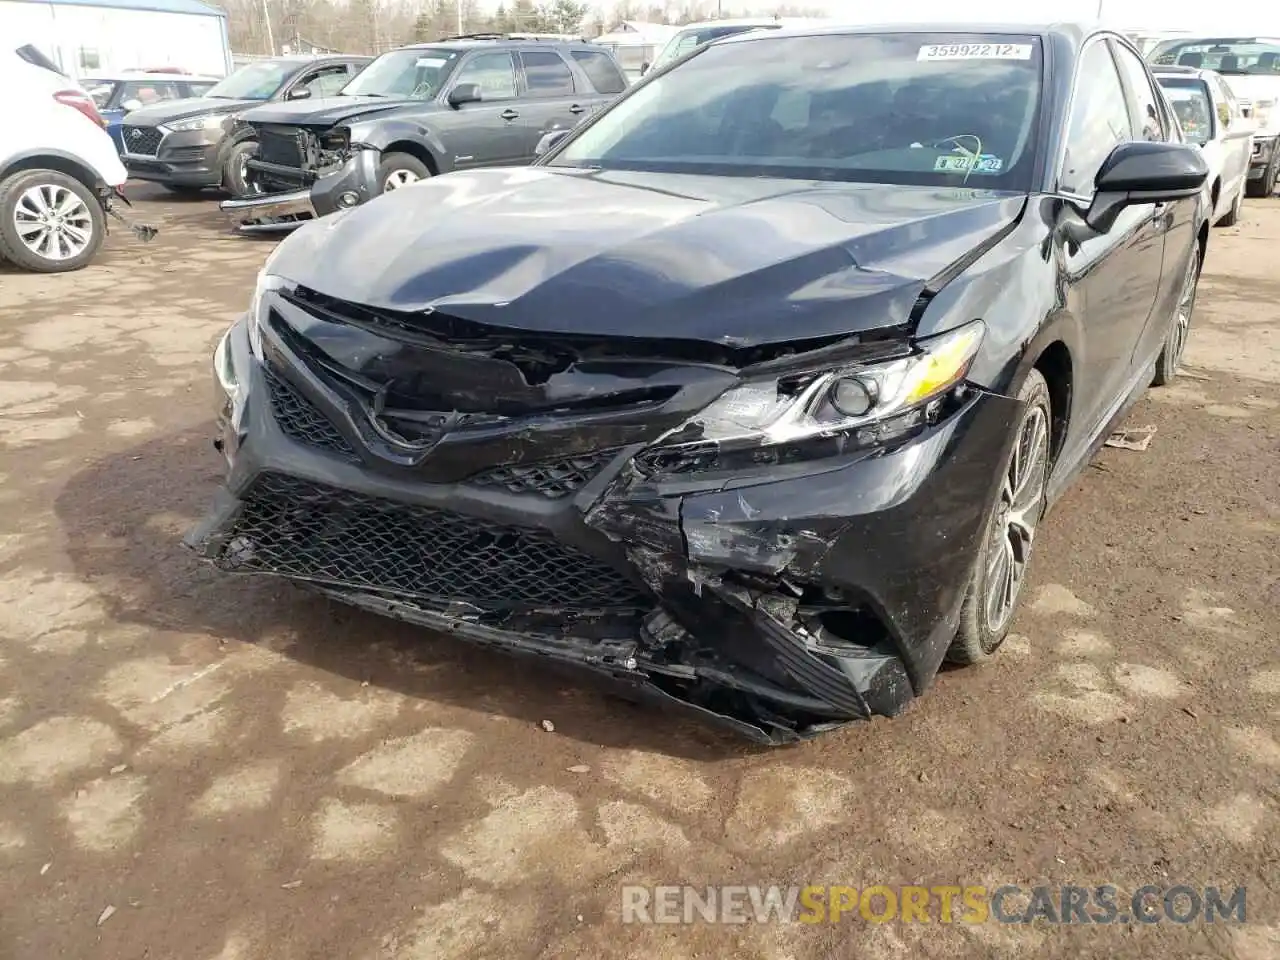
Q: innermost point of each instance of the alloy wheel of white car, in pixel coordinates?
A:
(53, 222)
(399, 178)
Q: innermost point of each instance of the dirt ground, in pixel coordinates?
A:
(241, 772)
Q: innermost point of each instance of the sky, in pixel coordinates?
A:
(1215, 17)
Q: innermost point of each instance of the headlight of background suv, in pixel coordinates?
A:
(213, 122)
(1262, 113)
(798, 418)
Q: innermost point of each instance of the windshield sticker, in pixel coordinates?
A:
(984, 163)
(431, 62)
(975, 51)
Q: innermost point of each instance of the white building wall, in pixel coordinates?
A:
(119, 39)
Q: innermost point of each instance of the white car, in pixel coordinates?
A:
(1251, 68)
(1210, 115)
(59, 172)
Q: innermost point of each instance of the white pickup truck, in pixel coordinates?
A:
(1251, 68)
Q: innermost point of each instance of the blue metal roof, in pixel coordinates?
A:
(162, 6)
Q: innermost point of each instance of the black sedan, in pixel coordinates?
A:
(752, 393)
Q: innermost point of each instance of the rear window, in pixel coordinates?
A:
(601, 71)
(37, 59)
(546, 74)
(1189, 98)
(1233, 57)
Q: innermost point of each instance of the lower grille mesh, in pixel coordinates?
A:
(300, 420)
(297, 528)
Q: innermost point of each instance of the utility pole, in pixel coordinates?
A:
(271, 41)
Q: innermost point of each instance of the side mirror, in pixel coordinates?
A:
(464, 93)
(1144, 172)
(549, 141)
(644, 68)
(130, 105)
(299, 93)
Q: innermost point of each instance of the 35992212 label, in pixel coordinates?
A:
(975, 51)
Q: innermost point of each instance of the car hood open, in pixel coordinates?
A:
(734, 261)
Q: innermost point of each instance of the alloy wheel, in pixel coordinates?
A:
(399, 178)
(1018, 513)
(53, 222)
(1181, 329)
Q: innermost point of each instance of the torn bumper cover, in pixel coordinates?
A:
(779, 603)
(350, 185)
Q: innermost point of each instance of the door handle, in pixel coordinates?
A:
(509, 114)
(577, 108)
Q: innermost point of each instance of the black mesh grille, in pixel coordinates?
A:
(141, 140)
(296, 528)
(301, 421)
(550, 478)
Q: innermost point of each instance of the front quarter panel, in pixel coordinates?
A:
(383, 132)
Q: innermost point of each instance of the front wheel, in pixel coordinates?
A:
(1265, 185)
(1001, 568)
(49, 222)
(235, 169)
(1175, 341)
(399, 170)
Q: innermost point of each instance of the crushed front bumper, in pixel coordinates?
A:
(353, 184)
(781, 606)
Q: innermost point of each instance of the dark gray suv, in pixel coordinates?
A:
(415, 113)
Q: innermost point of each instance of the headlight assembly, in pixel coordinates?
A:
(266, 283)
(209, 122)
(789, 419)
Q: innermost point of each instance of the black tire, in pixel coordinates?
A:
(393, 162)
(1175, 341)
(1232, 216)
(234, 173)
(183, 189)
(978, 638)
(1265, 185)
(11, 246)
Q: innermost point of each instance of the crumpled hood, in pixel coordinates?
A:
(730, 260)
(327, 111)
(171, 110)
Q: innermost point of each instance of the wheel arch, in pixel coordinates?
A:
(54, 160)
(415, 150)
(1055, 364)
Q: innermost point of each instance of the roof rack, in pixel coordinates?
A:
(551, 37)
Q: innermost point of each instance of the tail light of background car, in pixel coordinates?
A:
(78, 100)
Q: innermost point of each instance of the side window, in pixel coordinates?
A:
(1149, 124)
(546, 74)
(198, 88)
(601, 71)
(149, 91)
(494, 73)
(1099, 121)
(327, 82)
(1229, 108)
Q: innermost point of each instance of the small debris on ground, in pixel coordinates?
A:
(580, 768)
(45, 869)
(548, 726)
(105, 915)
(1191, 713)
(291, 885)
(120, 768)
(1138, 438)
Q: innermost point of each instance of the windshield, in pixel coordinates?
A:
(100, 90)
(1233, 57)
(926, 109)
(254, 81)
(694, 37)
(417, 74)
(1189, 98)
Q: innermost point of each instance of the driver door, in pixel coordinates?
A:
(488, 133)
(1112, 278)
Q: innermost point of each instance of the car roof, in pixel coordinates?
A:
(1074, 32)
(1177, 69)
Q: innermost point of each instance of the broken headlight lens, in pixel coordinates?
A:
(791, 419)
(267, 282)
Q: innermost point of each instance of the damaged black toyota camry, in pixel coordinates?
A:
(752, 392)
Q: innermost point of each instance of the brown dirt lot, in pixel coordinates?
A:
(243, 772)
